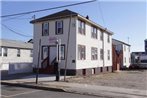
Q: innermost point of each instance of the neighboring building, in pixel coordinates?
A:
(89, 48)
(14, 52)
(121, 54)
(140, 58)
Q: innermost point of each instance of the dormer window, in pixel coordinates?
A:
(45, 29)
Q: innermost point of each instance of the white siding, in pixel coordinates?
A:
(126, 54)
(12, 57)
(63, 37)
(74, 40)
(90, 42)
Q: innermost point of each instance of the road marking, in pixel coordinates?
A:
(21, 93)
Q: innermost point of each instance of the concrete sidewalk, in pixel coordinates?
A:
(95, 90)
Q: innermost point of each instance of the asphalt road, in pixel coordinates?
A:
(19, 92)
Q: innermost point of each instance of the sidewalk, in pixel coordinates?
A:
(95, 90)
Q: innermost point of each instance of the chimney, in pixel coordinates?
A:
(87, 17)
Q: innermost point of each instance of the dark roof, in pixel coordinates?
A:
(64, 13)
(67, 13)
(121, 42)
(15, 44)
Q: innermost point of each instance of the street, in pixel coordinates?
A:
(19, 92)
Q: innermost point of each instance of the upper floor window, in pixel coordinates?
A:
(81, 27)
(0, 51)
(94, 32)
(81, 52)
(5, 52)
(18, 52)
(59, 27)
(108, 39)
(45, 29)
(101, 35)
(94, 53)
(124, 48)
(101, 54)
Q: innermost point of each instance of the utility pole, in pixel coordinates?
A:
(65, 69)
(37, 71)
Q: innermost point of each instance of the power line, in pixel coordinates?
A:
(101, 12)
(15, 31)
(35, 11)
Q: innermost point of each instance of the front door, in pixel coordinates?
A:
(52, 54)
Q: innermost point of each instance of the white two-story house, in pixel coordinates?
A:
(86, 47)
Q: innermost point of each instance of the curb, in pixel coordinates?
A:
(41, 87)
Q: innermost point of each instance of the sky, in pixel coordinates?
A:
(126, 18)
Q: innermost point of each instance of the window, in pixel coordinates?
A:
(81, 52)
(108, 39)
(93, 53)
(101, 35)
(45, 29)
(0, 51)
(94, 32)
(44, 52)
(62, 52)
(124, 48)
(5, 52)
(108, 54)
(81, 27)
(59, 27)
(31, 53)
(18, 52)
(125, 59)
(101, 54)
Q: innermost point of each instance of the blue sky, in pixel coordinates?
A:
(125, 19)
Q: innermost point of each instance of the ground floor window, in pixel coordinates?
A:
(93, 53)
(81, 52)
(44, 52)
(62, 54)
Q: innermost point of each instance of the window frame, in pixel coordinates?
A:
(18, 53)
(81, 27)
(101, 35)
(5, 52)
(81, 52)
(43, 28)
(94, 32)
(62, 58)
(57, 27)
(94, 53)
(101, 54)
(42, 57)
(108, 38)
